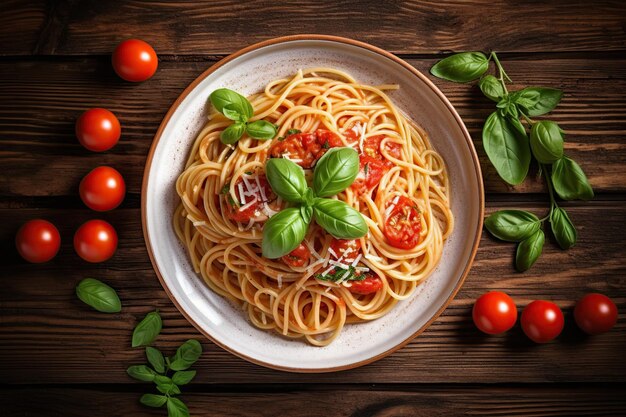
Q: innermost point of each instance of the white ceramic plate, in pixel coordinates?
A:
(247, 72)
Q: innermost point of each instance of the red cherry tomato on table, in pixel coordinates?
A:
(595, 313)
(135, 60)
(95, 241)
(98, 129)
(38, 241)
(542, 321)
(102, 189)
(494, 312)
(298, 257)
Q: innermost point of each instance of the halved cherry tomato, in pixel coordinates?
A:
(369, 285)
(542, 321)
(38, 241)
(95, 241)
(134, 60)
(98, 129)
(595, 313)
(371, 171)
(298, 257)
(102, 189)
(403, 226)
(371, 147)
(340, 246)
(494, 312)
(251, 201)
(306, 148)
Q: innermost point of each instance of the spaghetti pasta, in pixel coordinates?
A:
(402, 192)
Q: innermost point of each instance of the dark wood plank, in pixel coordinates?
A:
(414, 400)
(95, 27)
(48, 336)
(43, 99)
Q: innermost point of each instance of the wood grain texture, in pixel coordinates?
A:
(336, 401)
(43, 100)
(68, 27)
(49, 336)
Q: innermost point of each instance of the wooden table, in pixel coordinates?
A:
(58, 357)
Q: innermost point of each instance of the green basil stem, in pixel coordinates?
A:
(528, 119)
(501, 71)
(553, 203)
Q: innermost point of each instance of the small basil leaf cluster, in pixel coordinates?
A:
(167, 373)
(510, 150)
(238, 109)
(335, 171)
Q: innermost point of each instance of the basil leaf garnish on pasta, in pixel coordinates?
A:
(283, 232)
(335, 171)
(236, 107)
(339, 219)
(286, 179)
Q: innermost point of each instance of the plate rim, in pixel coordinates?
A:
(342, 40)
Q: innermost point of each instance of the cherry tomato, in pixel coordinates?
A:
(369, 285)
(403, 226)
(98, 129)
(251, 201)
(102, 189)
(340, 246)
(135, 60)
(306, 148)
(371, 171)
(494, 312)
(298, 257)
(95, 241)
(542, 321)
(38, 241)
(595, 313)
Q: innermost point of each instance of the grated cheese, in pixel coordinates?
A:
(241, 194)
(248, 205)
(263, 196)
(280, 280)
(332, 252)
(199, 223)
(339, 264)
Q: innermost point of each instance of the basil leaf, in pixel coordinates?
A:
(186, 355)
(165, 385)
(147, 330)
(569, 180)
(528, 251)
(306, 212)
(233, 114)
(538, 100)
(261, 130)
(283, 232)
(152, 400)
(309, 197)
(461, 68)
(176, 408)
(232, 133)
(506, 144)
(98, 295)
(491, 88)
(141, 373)
(286, 179)
(183, 377)
(156, 359)
(546, 141)
(335, 171)
(527, 98)
(512, 225)
(339, 219)
(224, 97)
(563, 228)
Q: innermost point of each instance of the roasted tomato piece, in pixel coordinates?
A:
(252, 193)
(298, 257)
(306, 148)
(345, 249)
(369, 285)
(403, 225)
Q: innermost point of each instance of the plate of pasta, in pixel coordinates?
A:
(312, 203)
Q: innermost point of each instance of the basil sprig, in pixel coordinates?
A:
(161, 366)
(510, 150)
(334, 172)
(237, 108)
(98, 295)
